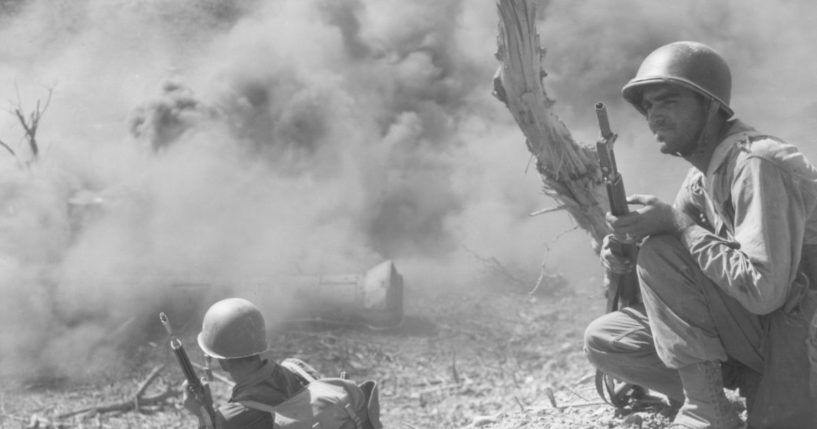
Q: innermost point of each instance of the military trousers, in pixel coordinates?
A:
(686, 318)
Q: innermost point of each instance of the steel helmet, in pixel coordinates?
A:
(690, 64)
(233, 328)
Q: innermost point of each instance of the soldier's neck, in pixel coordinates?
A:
(709, 141)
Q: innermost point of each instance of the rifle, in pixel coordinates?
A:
(194, 384)
(622, 289)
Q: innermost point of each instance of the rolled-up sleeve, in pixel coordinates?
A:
(758, 265)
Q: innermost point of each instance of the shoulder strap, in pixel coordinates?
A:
(353, 415)
(606, 389)
(255, 405)
(297, 366)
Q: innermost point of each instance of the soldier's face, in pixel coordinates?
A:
(675, 116)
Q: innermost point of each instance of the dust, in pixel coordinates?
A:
(232, 143)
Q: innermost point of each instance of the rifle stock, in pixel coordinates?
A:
(622, 289)
(194, 384)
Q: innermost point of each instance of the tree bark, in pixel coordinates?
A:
(569, 171)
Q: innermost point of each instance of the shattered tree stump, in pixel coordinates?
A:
(570, 172)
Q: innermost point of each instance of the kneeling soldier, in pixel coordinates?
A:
(234, 333)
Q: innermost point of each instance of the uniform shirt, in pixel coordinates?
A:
(271, 384)
(756, 211)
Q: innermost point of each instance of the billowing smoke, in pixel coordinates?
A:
(212, 143)
(594, 48)
(233, 142)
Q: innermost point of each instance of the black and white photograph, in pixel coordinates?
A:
(425, 214)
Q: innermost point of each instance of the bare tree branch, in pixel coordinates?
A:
(8, 148)
(32, 122)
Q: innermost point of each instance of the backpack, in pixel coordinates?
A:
(325, 403)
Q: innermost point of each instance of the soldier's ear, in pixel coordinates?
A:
(224, 364)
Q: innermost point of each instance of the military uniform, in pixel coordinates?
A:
(739, 287)
(234, 332)
(271, 384)
(733, 295)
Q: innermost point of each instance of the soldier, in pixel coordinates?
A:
(727, 273)
(234, 333)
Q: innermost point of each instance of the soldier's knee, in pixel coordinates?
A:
(600, 340)
(658, 249)
(617, 341)
(662, 255)
(595, 341)
(594, 337)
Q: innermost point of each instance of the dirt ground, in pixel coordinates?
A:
(486, 357)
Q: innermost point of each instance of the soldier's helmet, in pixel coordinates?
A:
(233, 328)
(691, 64)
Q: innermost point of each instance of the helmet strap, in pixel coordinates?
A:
(208, 367)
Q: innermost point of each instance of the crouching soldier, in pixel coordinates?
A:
(234, 333)
(728, 274)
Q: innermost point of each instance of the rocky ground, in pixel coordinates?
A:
(482, 357)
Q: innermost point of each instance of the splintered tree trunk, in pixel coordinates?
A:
(570, 172)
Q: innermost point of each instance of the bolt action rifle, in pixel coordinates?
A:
(194, 384)
(622, 289)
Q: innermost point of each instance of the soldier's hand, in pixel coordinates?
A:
(655, 217)
(611, 258)
(195, 405)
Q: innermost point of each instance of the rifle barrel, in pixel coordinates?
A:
(166, 323)
(604, 122)
(194, 383)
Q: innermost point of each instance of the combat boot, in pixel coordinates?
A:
(706, 405)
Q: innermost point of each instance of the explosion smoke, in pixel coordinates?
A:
(313, 136)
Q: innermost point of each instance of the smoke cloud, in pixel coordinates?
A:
(593, 49)
(233, 142)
